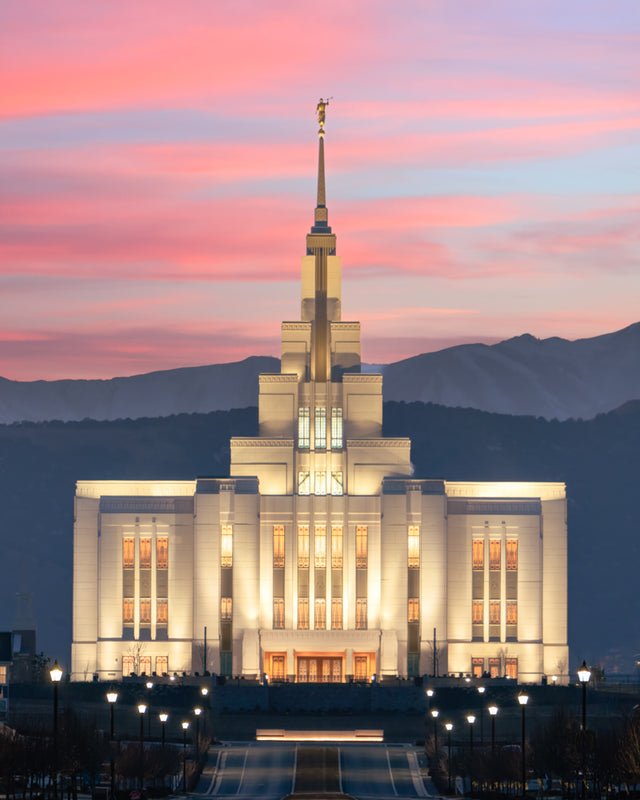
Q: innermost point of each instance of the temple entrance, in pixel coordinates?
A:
(319, 669)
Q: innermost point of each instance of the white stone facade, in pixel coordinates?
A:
(321, 557)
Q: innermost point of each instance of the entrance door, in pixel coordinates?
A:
(311, 669)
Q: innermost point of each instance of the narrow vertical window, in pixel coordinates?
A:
(337, 484)
(494, 612)
(278, 613)
(304, 428)
(303, 613)
(512, 612)
(304, 483)
(320, 429)
(145, 552)
(278, 546)
(161, 610)
(225, 607)
(511, 668)
(414, 610)
(477, 615)
(336, 428)
(128, 552)
(336, 546)
(512, 554)
(145, 665)
(128, 665)
(361, 614)
(414, 547)
(162, 665)
(494, 553)
(320, 483)
(336, 613)
(320, 615)
(361, 546)
(226, 542)
(162, 552)
(320, 547)
(303, 546)
(478, 553)
(145, 610)
(127, 610)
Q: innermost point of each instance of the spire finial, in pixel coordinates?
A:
(321, 113)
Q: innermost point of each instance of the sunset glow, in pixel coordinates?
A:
(158, 175)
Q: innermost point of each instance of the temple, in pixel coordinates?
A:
(321, 558)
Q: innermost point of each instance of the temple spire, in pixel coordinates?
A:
(321, 216)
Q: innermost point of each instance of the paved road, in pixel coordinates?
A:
(265, 771)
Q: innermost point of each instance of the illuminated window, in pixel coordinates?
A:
(494, 667)
(278, 546)
(414, 609)
(337, 484)
(512, 612)
(478, 554)
(3, 674)
(321, 547)
(145, 610)
(303, 613)
(494, 612)
(162, 665)
(145, 665)
(512, 554)
(336, 613)
(321, 483)
(277, 668)
(304, 483)
(145, 552)
(336, 428)
(162, 552)
(278, 613)
(320, 429)
(303, 546)
(477, 667)
(361, 668)
(477, 612)
(361, 546)
(511, 668)
(494, 553)
(162, 608)
(128, 665)
(336, 546)
(127, 611)
(225, 607)
(320, 614)
(227, 546)
(361, 614)
(304, 427)
(128, 552)
(414, 547)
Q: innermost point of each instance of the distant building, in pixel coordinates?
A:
(17, 651)
(321, 557)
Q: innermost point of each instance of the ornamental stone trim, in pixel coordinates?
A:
(378, 443)
(354, 377)
(241, 442)
(515, 506)
(278, 377)
(295, 326)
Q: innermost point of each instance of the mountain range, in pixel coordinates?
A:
(551, 378)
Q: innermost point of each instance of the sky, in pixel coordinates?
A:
(158, 173)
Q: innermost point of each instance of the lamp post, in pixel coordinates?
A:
(493, 711)
(434, 714)
(185, 728)
(205, 699)
(471, 718)
(523, 699)
(584, 676)
(481, 691)
(112, 698)
(163, 722)
(56, 675)
(197, 711)
(449, 727)
(141, 711)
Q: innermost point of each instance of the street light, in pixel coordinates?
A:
(197, 711)
(205, 696)
(493, 710)
(163, 721)
(141, 711)
(481, 691)
(471, 718)
(112, 698)
(185, 728)
(56, 676)
(523, 699)
(584, 676)
(434, 714)
(449, 727)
